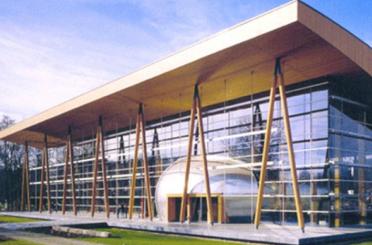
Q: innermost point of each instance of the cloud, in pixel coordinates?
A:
(51, 52)
(41, 67)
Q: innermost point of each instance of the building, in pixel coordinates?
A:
(315, 169)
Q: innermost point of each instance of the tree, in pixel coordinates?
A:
(10, 169)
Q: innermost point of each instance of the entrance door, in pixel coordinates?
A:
(174, 207)
(197, 208)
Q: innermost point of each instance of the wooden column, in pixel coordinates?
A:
(69, 167)
(265, 152)
(204, 156)
(291, 154)
(188, 161)
(279, 79)
(140, 126)
(134, 169)
(65, 171)
(42, 174)
(103, 168)
(46, 156)
(95, 170)
(196, 106)
(72, 172)
(25, 180)
(23, 187)
(100, 147)
(146, 165)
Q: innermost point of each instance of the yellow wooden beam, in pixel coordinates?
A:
(291, 154)
(27, 167)
(65, 170)
(188, 161)
(279, 80)
(134, 168)
(145, 164)
(95, 171)
(204, 156)
(47, 172)
(265, 152)
(103, 168)
(23, 183)
(72, 171)
(42, 174)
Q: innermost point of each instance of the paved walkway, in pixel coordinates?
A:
(267, 233)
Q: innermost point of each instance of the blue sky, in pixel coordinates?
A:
(54, 50)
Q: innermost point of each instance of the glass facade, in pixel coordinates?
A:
(332, 140)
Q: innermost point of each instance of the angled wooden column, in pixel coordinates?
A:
(95, 170)
(140, 126)
(69, 167)
(291, 154)
(196, 106)
(100, 148)
(279, 79)
(103, 169)
(72, 171)
(146, 164)
(46, 156)
(204, 156)
(65, 171)
(134, 169)
(188, 162)
(25, 181)
(23, 187)
(42, 174)
(265, 152)
(27, 176)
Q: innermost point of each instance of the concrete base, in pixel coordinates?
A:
(267, 233)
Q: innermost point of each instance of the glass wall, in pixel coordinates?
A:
(350, 154)
(328, 131)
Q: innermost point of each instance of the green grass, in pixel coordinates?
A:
(129, 237)
(16, 242)
(363, 243)
(12, 219)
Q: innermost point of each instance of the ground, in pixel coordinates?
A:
(120, 236)
(130, 237)
(12, 219)
(17, 242)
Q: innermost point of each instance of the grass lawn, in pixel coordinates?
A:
(129, 237)
(16, 242)
(12, 219)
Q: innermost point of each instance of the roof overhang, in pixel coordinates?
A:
(233, 63)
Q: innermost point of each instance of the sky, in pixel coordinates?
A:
(51, 51)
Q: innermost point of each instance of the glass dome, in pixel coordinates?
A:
(231, 178)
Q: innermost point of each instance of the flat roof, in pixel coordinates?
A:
(230, 64)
